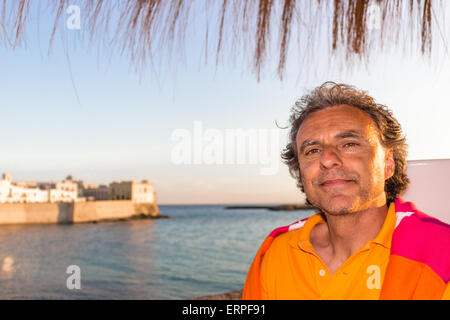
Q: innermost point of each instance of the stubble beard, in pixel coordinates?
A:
(343, 205)
(340, 205)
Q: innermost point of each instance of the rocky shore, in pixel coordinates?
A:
(232, 295)
(141, 216)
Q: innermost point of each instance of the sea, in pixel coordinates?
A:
(199, 250)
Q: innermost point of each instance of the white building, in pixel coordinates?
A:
(65, 191)
(30, 192)
(69, 191)
(140, 192)
(20, 193)
(4, 190)
(34, 195)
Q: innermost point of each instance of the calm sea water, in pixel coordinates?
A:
(200, 250)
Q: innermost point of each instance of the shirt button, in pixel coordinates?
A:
(322, 272)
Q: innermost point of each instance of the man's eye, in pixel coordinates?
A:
(350, 144)
(311, 151)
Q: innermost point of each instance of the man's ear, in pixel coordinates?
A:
(389, 168)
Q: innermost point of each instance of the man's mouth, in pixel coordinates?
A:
(335, 182)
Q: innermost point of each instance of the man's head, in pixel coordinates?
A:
(345, 151)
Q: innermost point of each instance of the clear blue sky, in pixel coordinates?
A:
(121, 128)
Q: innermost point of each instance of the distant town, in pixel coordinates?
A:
(70, 190)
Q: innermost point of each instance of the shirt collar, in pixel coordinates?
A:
(302, 240)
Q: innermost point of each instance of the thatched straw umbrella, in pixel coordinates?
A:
(145, 27)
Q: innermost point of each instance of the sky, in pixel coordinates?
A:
(84, 111)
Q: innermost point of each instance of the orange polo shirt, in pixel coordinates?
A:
(291, 269)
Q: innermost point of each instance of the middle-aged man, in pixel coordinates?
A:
(348, 154)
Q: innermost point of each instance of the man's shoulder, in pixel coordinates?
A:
(280, 231)
(288, 235)
(281, 247)
(285, 238)
(411, 220)
(422, 238)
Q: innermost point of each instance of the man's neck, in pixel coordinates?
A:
(342, 235)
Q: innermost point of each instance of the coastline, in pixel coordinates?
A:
(140, 216)
(231, 295)
(77, 212)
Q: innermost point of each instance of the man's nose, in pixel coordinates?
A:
(330, 158)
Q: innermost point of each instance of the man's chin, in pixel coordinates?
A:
(338, 206)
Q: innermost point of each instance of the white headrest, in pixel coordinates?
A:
(430, 187)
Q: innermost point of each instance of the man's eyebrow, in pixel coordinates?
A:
(348, 134)
(342, 135)
(308, 143)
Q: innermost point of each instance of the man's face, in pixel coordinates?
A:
(342, 162)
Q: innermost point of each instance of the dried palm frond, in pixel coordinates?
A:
(145, 27)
